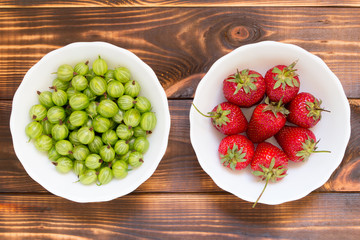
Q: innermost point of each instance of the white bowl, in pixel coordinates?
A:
(40, 77)
(333, 129)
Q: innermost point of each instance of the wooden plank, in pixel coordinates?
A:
(179, 167)
(171, 3)
(180, 44)
(179, 216)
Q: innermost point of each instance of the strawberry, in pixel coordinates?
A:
(269, 163)
(244, 88)
(266, 120)
(305, 110)
(236, 151)
(282, 83)
(227, 118)
(298, 143)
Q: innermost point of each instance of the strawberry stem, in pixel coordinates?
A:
(201, 112)
(267, 181)
(323, 151)
(323, 110)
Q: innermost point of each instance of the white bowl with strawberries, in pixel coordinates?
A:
(257, 119)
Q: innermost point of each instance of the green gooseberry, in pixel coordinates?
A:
(53, 155)
(124, 132)
(82, 68)
(122, 74)
(121, 147)
(64, 147)
(88, 177)
(106, 97)
(107, 108)
(65, 72)
(107, 153)
(109, 75)
(125, 157)
(132, 117)
(109, 137)
(86, 135)
(98, 85)
(90, 74)
(88, 123)
(113, 124)
(58, 84)
(47, 126)
(95, 145)
(79, 101)
(45, 99)
(59, 97)
(115, 89)
(80, 152)
(78, 118)
(120, 169)
(59, 131)
(79, 167)
(38, 112)
(142, 104)
(105, 175)
(139, 132)
(34, 130)
(125, 102)
(79, 83)
(101, 124)
(100, 66)
(71, 91)
(43, 143)
(91, 109)
(64, 164)
(132, 88)
(119, 116)
(89, 94)
(73, 138)
(69, 125)
(136, 159)
(93, 161)
(131, 142)
(56, 114)
(148, 121)
(141, 144)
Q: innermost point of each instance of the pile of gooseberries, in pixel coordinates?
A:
(93, 122)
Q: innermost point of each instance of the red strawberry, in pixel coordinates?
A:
(269, 163)
(266, 120)
(236, 151)
(227, 118)
(244, 88)
(298, 143)
(305, 110)
(282, 83)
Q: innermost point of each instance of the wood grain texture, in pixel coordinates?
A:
(179, 170)
(180, 44)
(179, 216)
(171, 3)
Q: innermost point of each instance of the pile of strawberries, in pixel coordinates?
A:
(283, 103)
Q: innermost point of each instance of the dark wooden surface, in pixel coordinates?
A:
(180, 40)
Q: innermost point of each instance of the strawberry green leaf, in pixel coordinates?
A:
(289, 82)
(277, 84)
(252, 86)
(296, 83)
(276, 70)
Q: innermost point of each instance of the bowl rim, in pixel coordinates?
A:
(166, 127)
(347, 127)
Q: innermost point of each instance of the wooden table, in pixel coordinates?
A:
(180, 40)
